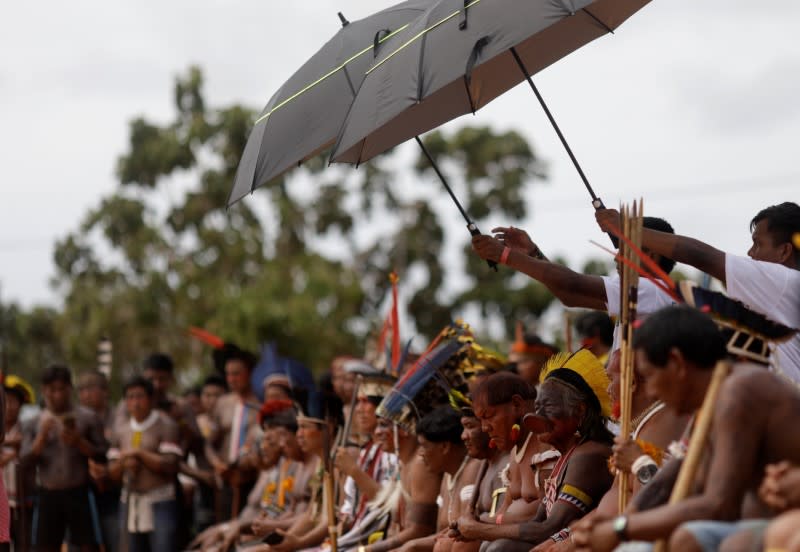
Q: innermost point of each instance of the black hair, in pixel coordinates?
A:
(596, 324)
(93, 379)
(533, 339)
(216, 380)
(593, 425)
(783, 221)
(159, 362)
(18, 392)
(245, 357)
(690, 331)
(139, 381)
(441, 425)
(193, 390)
(285, 418)
(654, 223)
(501, 387)
(56, 372)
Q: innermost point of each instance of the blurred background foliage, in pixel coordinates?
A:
(303, 261)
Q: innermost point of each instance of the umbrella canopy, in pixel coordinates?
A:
(304, 116)
(460, 55)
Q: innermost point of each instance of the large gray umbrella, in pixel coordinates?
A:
(460, 55)
(304, 116)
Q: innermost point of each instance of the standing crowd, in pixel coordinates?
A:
(460, 448)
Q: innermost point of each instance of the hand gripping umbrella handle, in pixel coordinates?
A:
(473, 229)
(597, 203)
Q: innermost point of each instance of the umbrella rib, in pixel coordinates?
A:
(598, 20)
(418, 35)
(554, 123)
(327, 75)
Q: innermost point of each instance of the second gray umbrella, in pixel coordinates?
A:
(460, 55)
(304, 116)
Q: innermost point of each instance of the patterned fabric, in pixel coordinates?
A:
(553, 483)
(5, 515)
(576, 497)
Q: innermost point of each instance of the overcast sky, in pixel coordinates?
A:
(691, 105)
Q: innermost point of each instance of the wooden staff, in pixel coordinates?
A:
(697, 442)
(568, 330)
(629, 286)
(328, 489)
(343, 437)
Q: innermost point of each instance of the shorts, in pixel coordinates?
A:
(63, 511)
(710, 534)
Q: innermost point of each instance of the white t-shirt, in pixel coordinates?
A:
(774, 291)
(649, 299)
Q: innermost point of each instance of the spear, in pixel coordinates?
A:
(629, 285)
(328, 487)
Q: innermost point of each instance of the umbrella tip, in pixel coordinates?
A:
(343, 19)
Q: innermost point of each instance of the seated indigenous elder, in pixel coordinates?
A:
(676, 351)
(316, 426)
(444, 453)
(653, 428)
(488, 486)
(272, 492)
(500, 402)
(570, 414)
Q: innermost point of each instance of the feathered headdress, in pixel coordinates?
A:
(450, 361)
(584, 372)
(21, 388)
(374, 383)
(749, 333)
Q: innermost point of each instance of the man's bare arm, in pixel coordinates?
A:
(571, 288)
(681, 249)
(656, 493)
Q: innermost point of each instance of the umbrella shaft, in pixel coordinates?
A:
(555, 125)
(471, 226)
(444, 181)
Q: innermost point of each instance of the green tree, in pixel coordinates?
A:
(308, 270)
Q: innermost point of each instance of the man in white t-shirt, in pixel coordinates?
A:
(573, 288)
(768, 281)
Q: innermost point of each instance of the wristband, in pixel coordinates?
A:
(504, 255)
(642, 461)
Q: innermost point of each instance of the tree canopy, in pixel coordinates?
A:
(303, 261)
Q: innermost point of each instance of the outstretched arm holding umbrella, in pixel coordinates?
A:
(513, 248)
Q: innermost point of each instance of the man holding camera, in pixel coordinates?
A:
(59, 442)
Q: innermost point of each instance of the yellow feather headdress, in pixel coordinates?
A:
(583, 371)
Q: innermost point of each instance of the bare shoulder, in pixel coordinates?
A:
(471, 471)
(749, 387)
(588, 458)
(664, 427)
(424, 483)
(592, 449)
(588, 469)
